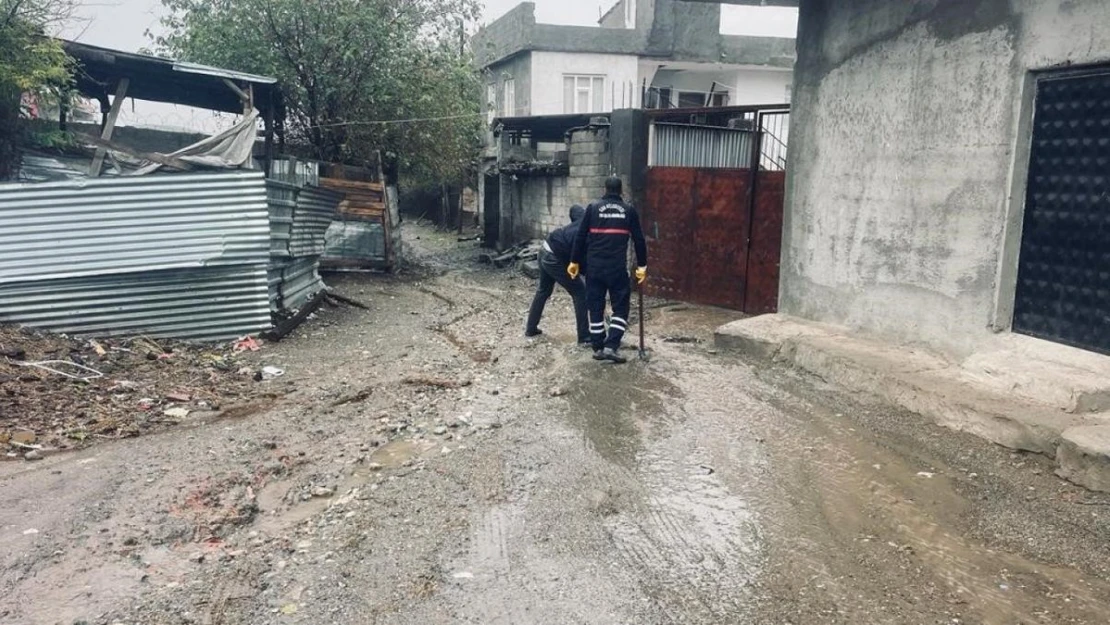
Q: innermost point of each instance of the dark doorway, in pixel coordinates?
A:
(491, 211)
(1063, 290)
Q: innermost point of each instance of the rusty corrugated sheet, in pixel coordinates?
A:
(363, 200)
(181, 256)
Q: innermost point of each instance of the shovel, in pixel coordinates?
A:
(643, 351)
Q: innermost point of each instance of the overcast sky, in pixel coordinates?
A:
(121, 24)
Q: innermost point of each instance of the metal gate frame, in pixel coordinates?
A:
(759, 199)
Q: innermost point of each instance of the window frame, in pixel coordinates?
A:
(508, 95)
(595, 93)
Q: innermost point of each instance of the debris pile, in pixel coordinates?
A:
(58, 392)
(522, 252)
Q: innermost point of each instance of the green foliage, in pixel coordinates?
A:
(29, 63)
(28, 60)
(50, 138)
(346, 65)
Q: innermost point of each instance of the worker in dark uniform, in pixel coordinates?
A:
(602, 242)
(554, 258)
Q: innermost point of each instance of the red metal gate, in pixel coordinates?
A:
(709, 242)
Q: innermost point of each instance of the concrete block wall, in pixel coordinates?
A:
(589, 165)
(533, 206)
(545, 205)
(905, 194)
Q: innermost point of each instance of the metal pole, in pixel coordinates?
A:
(753, 182)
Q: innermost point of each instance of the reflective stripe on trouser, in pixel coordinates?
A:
(618, 288)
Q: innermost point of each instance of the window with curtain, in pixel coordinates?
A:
(583, 94)
(508, 105)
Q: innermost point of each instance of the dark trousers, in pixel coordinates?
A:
(617, 286)
(553, 272)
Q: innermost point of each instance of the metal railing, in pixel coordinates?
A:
(727, 137)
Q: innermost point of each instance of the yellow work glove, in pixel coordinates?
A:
(641, 275)
(572, 271)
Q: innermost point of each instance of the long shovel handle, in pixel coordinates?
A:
(640, 290)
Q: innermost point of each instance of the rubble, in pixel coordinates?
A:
(142, 385)
(531, 269)
(527, 251)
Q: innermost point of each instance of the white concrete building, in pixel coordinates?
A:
(645, 54)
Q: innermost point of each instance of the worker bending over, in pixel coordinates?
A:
(553, 270)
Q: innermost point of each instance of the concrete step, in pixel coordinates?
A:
(1075, 380)
(1083, 456)
(941, 389)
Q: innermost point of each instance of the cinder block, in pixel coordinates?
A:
(590, 159)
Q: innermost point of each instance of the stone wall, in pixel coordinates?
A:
(545, 205)
(589, 165)
(532, 206)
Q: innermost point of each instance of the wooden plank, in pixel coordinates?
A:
(161, 159)
(347, 300)
(109, 126)
(239, 92)
(353, 185)
(283, 329)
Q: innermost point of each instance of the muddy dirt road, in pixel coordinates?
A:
(422, 462)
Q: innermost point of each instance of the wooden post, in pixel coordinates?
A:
(268, 129)
(109, 126)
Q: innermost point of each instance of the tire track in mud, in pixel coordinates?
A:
(876, 527)
(694, 543)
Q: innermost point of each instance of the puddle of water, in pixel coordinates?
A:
(614, 406)
(396, 453)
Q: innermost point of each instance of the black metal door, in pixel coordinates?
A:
(1063, 291)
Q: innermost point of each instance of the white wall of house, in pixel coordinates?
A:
(744, 85)
(549, 69)
(762, 86)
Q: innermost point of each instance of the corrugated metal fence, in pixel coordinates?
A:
(181, 256)
(299, 219)
(681, 145)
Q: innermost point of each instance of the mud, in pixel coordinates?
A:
(521, 482)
